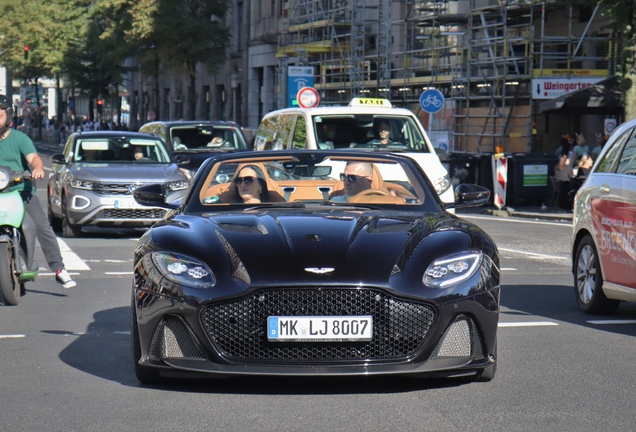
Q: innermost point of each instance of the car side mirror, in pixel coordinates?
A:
(152, 195)
(181, 160)
(469, 195)
(441, 154)
(58, 158)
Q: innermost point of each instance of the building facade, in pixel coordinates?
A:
(494, 61)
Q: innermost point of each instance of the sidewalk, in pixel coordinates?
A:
(530, 212)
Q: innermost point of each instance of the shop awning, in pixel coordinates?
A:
(605, 94)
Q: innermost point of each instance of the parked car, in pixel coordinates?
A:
(272, 265)
(604, 227)
(92, 181)
(195, 139)
(355, 126)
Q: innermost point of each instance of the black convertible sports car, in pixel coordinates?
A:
(304, 262)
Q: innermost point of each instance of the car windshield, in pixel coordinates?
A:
(345, 131)
(326, 179)
(206, 138)
(121, 150)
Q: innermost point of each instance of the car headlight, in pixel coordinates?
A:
(452, 269)
(442, 184)
(81, 184)
(184, 270)
(177, 185)
(4, 179)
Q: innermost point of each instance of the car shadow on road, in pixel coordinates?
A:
(104, 351)
(558, 302)
(108, 233)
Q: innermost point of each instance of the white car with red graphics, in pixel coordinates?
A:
(604, 236)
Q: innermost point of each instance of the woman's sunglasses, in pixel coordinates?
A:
(247, 180)
(350, 177)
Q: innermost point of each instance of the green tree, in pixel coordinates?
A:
(181, 34)
(622, 14)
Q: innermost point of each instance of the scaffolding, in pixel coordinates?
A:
(482, 55)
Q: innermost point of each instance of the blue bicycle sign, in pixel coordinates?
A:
(432, 100)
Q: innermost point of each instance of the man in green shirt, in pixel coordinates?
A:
(18, 153)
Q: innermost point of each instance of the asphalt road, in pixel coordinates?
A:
(65, 361)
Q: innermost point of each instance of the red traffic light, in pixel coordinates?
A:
(100, 102)
(26, 48)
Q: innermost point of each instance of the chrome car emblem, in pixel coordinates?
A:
(319, 270)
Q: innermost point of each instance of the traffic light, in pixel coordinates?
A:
(100, 104)
(26, 52)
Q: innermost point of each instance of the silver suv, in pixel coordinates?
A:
(93, 179)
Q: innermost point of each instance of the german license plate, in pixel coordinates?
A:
(129, 203)
(319, 328)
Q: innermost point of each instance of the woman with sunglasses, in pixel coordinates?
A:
(250, 186)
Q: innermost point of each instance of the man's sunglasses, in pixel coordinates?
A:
(247, 180)
(350, 177)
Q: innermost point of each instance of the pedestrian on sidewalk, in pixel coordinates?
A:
(580, 148)
(18, 153)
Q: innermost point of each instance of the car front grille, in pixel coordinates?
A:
(238, 329)
(114, 188)
(131, 214)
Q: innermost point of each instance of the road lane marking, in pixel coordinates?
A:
(527, 324)
(119, 273)
(109, 261)
(71, 260)
(618, 321)
(508, 269)
(53, 274)
(537, 255)
(15, 336)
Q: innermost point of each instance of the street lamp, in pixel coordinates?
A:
(234, 85)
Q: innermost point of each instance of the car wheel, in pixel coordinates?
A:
(54, 221)
(588, 280)
(68, 229)
(144, 374)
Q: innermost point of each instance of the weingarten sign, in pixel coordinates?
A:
(550, 88)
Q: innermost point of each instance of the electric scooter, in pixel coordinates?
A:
(17, 245)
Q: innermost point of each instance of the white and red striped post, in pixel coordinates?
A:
(500, 178)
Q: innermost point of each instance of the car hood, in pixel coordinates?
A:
(146, 173)
(284, 248)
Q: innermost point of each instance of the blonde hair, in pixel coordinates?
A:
(580, 140)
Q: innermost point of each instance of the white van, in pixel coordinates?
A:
(357, 125)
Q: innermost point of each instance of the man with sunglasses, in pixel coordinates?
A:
(18, 153)
(382, 131)
(357, 176)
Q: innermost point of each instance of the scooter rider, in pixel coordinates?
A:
(18, 153)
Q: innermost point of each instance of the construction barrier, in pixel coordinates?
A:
(500, 179)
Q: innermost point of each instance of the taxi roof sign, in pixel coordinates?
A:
(373, 102)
